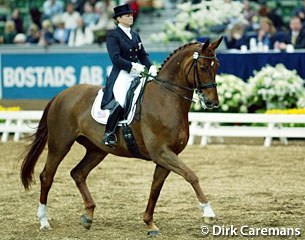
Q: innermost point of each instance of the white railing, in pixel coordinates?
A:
(206, 125)
(203, 125)
(18, 123)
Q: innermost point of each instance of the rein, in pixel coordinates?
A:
(198, 84)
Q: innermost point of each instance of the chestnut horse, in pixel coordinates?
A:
(161, 133)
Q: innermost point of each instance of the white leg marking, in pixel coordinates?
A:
(207, 210)
(42, 216)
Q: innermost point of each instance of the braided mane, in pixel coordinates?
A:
(175, 51)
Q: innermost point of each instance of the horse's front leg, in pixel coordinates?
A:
(169, 160)
(160, 175)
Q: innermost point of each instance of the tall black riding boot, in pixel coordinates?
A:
(109, 138)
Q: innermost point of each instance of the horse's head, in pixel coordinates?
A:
(202, 72)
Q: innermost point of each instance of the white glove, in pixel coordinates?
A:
(153, 70)
(137, 69)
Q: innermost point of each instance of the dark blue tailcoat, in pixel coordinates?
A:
(122, 51)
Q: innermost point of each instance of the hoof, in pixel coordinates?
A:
(86, 221)
(153, 233)
(209, 220)
(45, 228)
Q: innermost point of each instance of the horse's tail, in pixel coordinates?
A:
(35, 149)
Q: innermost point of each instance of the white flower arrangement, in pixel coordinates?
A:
(275, 88)
(232, 93)
(195, 20)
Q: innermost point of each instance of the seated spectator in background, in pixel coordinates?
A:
(248, 12)
(70, 17)
(296, 35)
(78, 5)
(46, 33)
(33, 35)
(52, 8)
(105, 21)
(300, 12)
(9, 32)
(135, 7)
(235, 36)
(267, 33)
(36, 16)
(80, 36)
(89, 16)
(272, 14)
(61, 34)
(17, 20)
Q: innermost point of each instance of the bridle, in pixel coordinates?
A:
(198, 85)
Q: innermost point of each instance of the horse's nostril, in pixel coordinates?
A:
(209, 103)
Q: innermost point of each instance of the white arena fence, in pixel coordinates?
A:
(16, 124)
(268, 126)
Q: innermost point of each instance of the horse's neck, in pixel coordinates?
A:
(174, 71)
(169, 96)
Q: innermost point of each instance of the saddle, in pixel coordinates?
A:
(132, 109)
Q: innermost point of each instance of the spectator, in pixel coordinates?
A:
(296, 35)
(70, 17)
(300, 12)
(135, 7)
(272, 14)
(17, 20)
(89, 16)
(104, 23)
(235, 36)
(33, 35)
(52, 8)
(46, 34)
(267, 33)
(36, 16)
(80, 36)
(248, 12)
(9, 32)
(78, 5)
(61, 34)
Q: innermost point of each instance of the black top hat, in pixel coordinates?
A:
(122, 10)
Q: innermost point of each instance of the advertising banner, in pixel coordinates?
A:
(44, 75)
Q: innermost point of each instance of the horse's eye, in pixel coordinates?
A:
(203, 68)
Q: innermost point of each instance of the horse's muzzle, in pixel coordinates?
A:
(208, 104)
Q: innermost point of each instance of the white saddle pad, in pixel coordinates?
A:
(101, 116)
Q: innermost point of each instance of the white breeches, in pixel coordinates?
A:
(121, 86)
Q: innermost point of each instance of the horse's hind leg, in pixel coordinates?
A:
(56, 153)
(159, 177)
(92, 158)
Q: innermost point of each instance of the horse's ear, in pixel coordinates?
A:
(215, 44)
(205, 45)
